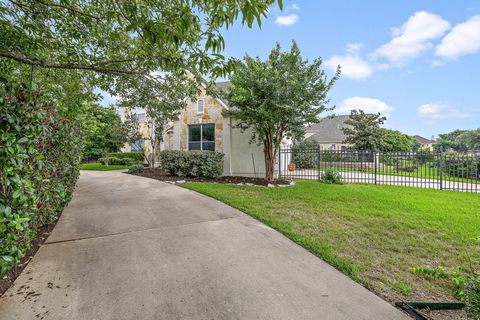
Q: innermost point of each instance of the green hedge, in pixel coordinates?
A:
(461, 166)
(192, 163)
(136, 156)
(117, 161)
(40, 154)
(472, 298)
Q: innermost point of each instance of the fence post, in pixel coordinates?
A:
(318, 162)
(375, 165)
(280, 163)
(440, 165)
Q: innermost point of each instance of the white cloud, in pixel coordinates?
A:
(440, 111)
(413, 38)
(463, 39)
(353, 66)
(368, 105)
(354, 48)
(286, 21)
(294, 6)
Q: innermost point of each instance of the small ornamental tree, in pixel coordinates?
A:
(133, 136)
(364, 130)
(276, 98)
(172, 94)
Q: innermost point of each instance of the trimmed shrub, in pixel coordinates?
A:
(135, 156)
(472, 298)
(136, 168)
(117, 161)
(192, 163)
(40, 154)
(331, 176)
(304, 154)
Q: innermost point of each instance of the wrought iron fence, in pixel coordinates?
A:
(423, 169)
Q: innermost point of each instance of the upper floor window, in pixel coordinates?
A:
(200, 106)
(139, 117)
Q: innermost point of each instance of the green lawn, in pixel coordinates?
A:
(374, 234)
(100, 167)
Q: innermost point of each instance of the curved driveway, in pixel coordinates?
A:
(129, 247)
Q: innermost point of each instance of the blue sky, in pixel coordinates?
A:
(418, 62)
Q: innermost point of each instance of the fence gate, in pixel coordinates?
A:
(422, 169)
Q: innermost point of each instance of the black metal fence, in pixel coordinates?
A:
(422, 169)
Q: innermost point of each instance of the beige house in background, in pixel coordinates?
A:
(328, 133)
(424, 142)
(143, 144)
(206, 124)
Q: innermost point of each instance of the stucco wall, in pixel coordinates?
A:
(247, 159)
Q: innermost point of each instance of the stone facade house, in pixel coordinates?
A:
(207, 124)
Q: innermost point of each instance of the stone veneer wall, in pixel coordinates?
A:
(212, 113)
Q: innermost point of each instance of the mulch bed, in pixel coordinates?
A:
(42, 234)
(165, 176)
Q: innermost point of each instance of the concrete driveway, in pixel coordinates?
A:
(134, 248)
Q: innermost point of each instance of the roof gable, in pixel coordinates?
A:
(329, 129)
(423, 140)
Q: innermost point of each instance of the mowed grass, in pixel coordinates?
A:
(374, 234)
(100, 167)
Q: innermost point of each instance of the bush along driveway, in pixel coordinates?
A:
(402, 243)
(129, 247)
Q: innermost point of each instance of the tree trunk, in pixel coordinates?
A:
(269, 158)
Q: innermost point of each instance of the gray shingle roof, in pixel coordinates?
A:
(327, 130)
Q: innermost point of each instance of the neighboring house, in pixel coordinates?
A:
(328, 133)
(426, 143)
(142, 145)
(206, 124)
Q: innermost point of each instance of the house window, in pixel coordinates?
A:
(201, 137)
(200, 106)
(139, 117)
(138, 146)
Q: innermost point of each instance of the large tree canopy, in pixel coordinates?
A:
(122, 36)
(278, 97)
(459, 140)
(118, 45)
